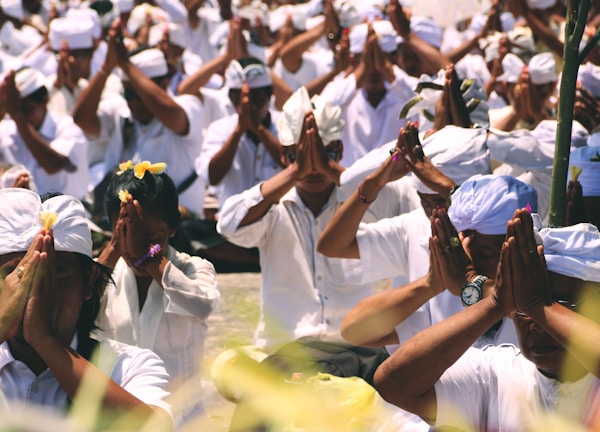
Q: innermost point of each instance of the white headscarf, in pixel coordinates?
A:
(386, 35)
(327, 116)
(573, 251)
(457, 152)
(28, 80)
(256, 75)
(542, 68)
(151, 62)
(20, 222)
(485, 203)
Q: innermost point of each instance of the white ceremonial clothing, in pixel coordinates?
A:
(139, 371)
(65, 137)
(153, 142)
(251, 164)
(498, 389)
(197, 38)
(172, 320)
(315, 63)
(303, 292)
(369, 127)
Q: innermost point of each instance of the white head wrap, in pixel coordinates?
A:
(327, 116)
(589, 75)
(384, 30)
(542, 68)
(588, 159)
(512, 67)
(255, 11)
(123, 5)
(540, 4)
(7, 179)
(137, 18)
(20, 222)
(256, 75)
(485, 203)
(297, 13)
(83, 13)
(28, 80)
(176, 34)
(521, 39)
(347, 13)
(13, 8)
(457, 152)
(151, 62)
(545, 133)
(427, 29)
(573, 251)
(78, 32)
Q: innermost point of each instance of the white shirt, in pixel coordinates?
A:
(139, 371)
(303, 292)
(153, 142)
(315, 63)
(368, 127)
(172, 321)
(251, 164)
(497, 389)
(64, 137)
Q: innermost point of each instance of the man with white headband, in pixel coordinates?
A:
(50, 145)
(145, 124)
(242, 149)
(551, 292)
(374, 93)
(284, 215)
(49, 297)
(529, 88)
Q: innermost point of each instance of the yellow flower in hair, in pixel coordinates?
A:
(575, 171)
(140, 169)
(124, 166)
(47, 218)
(124, 195)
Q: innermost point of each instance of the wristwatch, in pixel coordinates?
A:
(471, 291)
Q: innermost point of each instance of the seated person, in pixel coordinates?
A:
(161, 298)
(550, 291)
(49, 298)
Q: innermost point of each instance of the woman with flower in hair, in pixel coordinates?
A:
(160, 298)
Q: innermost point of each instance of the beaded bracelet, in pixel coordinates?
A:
(154, 250)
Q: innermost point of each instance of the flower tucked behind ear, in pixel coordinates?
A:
(124, 195)
(124, 166)
(47, 218)
(141, 168)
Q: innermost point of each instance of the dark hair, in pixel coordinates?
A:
(91, 307)
(156, 193)
(38, 96)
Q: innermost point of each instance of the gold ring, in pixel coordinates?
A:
(454, 241)
(20, 271)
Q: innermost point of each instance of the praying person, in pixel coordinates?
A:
(49, 296)
(550, 290)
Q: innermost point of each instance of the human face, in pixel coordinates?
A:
(259, 100)
(550, 356)
(35, 112)
(82, 61)
(315, 181)
(139, 111)
(66, 293)
(429, 202)
(485, 251)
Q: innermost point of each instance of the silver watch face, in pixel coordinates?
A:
(470, 295)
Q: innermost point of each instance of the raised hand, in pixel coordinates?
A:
(247, 120)
(453, 263)
(527, 275)
(399, 18)
(16, 286)
(64, 74)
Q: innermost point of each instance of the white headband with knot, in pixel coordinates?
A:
(256, 75)
(327, 116)
(485, 203)
(20, 222)
(573, 251)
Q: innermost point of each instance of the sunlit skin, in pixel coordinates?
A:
(315, 182)
(542, 349)
(34, 112)
(69, 291)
